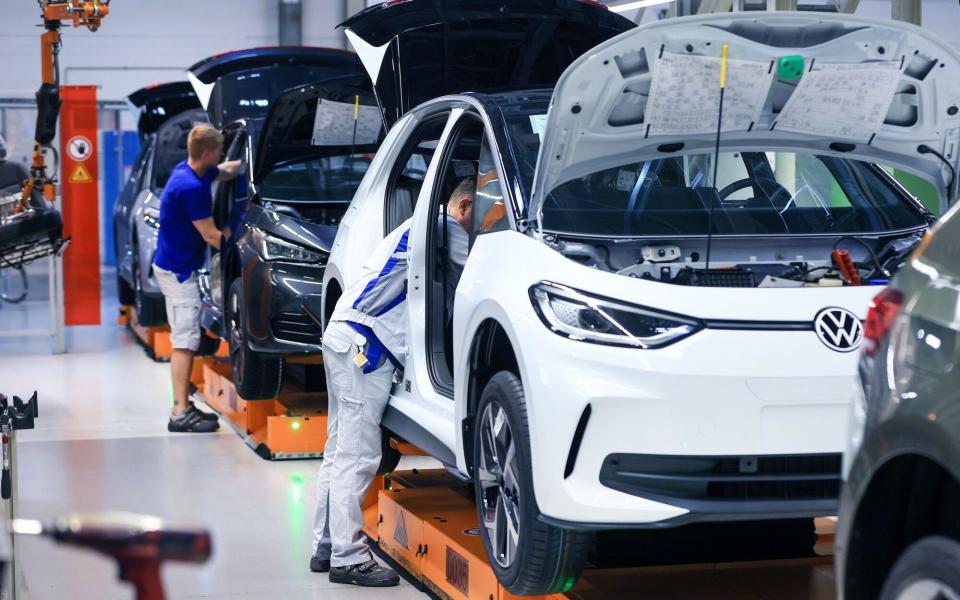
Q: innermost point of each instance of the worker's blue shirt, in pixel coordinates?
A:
(186, 198)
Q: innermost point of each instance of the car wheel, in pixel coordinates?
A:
(151, 310)
(528, 557)
(256, 376)
(124, 291)
(928, 570)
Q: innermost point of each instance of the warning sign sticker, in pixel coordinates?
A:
(79, 148)
(80, 175)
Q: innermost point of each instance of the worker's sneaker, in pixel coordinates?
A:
(368, 574)
(191, 422)
(319, 565)
(191, 407)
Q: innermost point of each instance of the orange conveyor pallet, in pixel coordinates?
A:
(431, 532)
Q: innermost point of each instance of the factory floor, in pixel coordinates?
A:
(101, 444)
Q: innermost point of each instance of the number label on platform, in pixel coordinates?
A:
(458, 571)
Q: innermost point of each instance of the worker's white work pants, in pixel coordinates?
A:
(352, 454)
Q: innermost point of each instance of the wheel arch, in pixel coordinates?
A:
(491, 350)
(909, 497)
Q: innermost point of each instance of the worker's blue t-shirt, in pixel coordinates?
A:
(186, 198)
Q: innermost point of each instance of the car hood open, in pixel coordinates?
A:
(243, 83)
(602, 111)
(415, 50)
(158, 103)
(287, 134)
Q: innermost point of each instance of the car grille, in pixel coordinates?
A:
(295, 327)
(725, 478)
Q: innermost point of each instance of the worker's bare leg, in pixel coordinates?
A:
(181, 364)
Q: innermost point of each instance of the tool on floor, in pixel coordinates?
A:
(140, 544)
(14, 416)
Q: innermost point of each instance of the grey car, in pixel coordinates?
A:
(899, 532)
(167, 113)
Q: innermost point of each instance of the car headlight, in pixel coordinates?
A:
(151, 216)
(580, 316)
(270, 247)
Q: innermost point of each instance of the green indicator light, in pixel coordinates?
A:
(295, 425)
(297, 479)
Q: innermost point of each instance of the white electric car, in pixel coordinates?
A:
(595, 373)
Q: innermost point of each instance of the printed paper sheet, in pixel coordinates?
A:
(333, 124)
(841, 101)
(685, 94)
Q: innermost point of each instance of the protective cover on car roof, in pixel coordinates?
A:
(158, 103)
(415, 50)
(287, 134)
(243, 83)
(880, 91)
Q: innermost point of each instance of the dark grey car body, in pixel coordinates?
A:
(294, 195)
(167, 113)
(903, 482)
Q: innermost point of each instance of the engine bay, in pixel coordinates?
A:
(747, 262)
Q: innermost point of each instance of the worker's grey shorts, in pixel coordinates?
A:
(183, 308)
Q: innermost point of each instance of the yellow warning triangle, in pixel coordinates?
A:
(80, 175)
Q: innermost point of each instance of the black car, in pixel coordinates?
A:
(261, 291)
(167, 113)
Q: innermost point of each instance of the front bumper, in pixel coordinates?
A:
(770, 418)
(284, 305)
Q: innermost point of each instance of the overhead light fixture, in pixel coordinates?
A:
(638, 4)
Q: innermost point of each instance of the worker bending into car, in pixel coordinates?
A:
(186, 227)
(361, 351)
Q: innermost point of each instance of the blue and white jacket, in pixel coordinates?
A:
(375, 304)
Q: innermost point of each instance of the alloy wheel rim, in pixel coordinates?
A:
(236, 337)
(928, 588)
(499, 485)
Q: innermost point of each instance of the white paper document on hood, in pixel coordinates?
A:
(333, 124)
(841, 101)
(685, 94)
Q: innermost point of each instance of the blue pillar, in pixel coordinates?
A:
(118, 158)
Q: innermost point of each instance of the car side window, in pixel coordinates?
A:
(490, 211)
(410, 170)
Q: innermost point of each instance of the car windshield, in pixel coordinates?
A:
(756, 193)
(319, 185)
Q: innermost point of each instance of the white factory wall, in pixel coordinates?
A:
(148, 42)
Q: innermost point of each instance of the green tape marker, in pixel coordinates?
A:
(790, 67)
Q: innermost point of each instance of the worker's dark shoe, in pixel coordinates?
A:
(319, 565)
(368, 574)
(191, 422)
(191, 407)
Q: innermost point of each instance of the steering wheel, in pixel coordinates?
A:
(753, 182)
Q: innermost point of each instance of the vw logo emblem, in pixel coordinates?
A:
(838, 329)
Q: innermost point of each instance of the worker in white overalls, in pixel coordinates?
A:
(361, 351)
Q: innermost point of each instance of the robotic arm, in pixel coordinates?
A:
(87, 14)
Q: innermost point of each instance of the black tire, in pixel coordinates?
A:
(151, 310)
(124, 291)
(389, 457)
(931, 561)
(256, 376)
(208, 345)
(546, 559)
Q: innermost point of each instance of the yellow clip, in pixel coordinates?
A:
(361, 360)
(356, 107)
(723, 66)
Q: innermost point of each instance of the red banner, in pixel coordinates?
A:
(80, 191)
